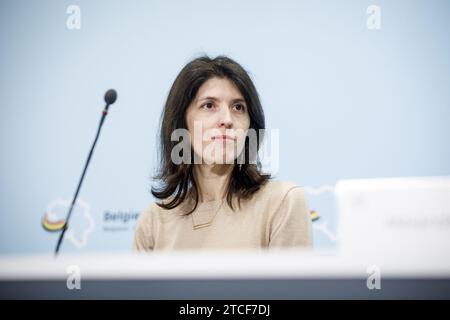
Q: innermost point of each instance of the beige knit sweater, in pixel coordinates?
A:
(276, 216)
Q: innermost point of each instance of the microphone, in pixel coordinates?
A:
(110, 98)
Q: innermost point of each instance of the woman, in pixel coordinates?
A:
(220, 199)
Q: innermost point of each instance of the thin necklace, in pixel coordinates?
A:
(206, 224)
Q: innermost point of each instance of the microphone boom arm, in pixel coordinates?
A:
(110, 98)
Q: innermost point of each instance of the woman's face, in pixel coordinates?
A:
(217, 120)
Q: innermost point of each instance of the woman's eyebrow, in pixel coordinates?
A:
(208, 98)
(238, 100)
(216, 99)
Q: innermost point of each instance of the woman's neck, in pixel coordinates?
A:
(212, 180)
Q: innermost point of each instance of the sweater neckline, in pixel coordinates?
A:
(208, 205)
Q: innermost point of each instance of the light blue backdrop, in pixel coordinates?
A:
(349, 102)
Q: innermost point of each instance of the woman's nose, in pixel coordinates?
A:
(226, 119)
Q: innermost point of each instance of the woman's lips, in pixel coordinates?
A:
(223, 137)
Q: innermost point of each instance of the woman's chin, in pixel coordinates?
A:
(223, 161)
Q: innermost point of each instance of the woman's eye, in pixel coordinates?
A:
(208, 106)
(239, 107)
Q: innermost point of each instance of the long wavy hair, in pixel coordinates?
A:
(177, 181)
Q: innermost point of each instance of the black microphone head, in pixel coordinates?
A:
(110, 96)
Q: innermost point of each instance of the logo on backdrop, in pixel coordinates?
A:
(120, 220)
(82, 223)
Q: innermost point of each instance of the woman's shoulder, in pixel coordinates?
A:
(154, 212)
(147, 213)
(278, 188)
(273, 192)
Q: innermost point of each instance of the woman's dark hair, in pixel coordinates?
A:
(177, 181)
